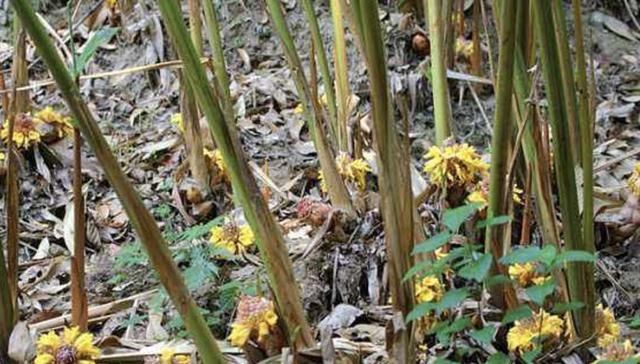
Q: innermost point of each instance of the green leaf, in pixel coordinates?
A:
(478, 269)
(451, 299)
(522, 255)
(420, 310)
(417, 268)
(432, 243)
(537, 293)
(444, 361)
(497, 279)
(454, 218)
(574, 256)
(518, 313)
(484, 335)
(498, 358)
(530, 356)
(548, 254)
(635, 322)
(443, 333)
(562, 307)
(493, 221)
(101, 37)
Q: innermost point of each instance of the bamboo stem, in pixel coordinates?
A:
(393, 179)
(586, 137)
(441, 105)
(141, 220)
(270, 241)
(79, 305)
(189, 108)
(320, 54)
(579, 275)
(499, 185)
(337, 190)
(219, 63)
(342, 72)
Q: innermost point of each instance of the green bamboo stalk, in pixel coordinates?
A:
(141, 220)
(318, 44)
(579, 275)
(499, 185)
(441, 106)
(219, 63)
(189, 108)
(342, 72)
(566, 72)
(270, 241)
(337, 190)
(586, 138)
(394, 178)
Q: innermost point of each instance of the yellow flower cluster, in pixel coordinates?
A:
(352, 170)
(25, 131)
(61, 124)
(177, 121)
(464, 48)
(72, 347)
(526, 275)
(618, 352)
(454, 165)
(429, 289)
(525, 333)
(215, 157)
(256, 318)
(607, 328)
(112, 4)
(168, 356)
(634, 181)
(235, 239)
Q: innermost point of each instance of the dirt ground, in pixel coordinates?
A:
(134, 112)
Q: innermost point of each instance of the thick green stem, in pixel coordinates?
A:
(579, 275)
(342, 72)
(394, 178)
(141, 220)
(337, 190)
(316, 38)
(270, 241)
(499, 185)
(566, 72)
(586, 138)
(219, 63)
(441, 106)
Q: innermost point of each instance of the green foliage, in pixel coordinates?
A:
(467, 269)
(99, 38)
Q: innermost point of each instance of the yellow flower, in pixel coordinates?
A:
(168, 356)
(464, 48)
(440, 253)
(429, 289)
(524, 335)
(25, 132)
(72, 347)
(618, 352)
(215, 156)
(2, 157)
(454, 165)
(526, 275)
(112, 4)
(480, 197)
(351, 170)
(256, 319)
(236, 239)
(61, 124)
(178, 122)
(299, 109)
(607, 328)
(634, 181)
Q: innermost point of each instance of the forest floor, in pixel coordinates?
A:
(341, 273)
